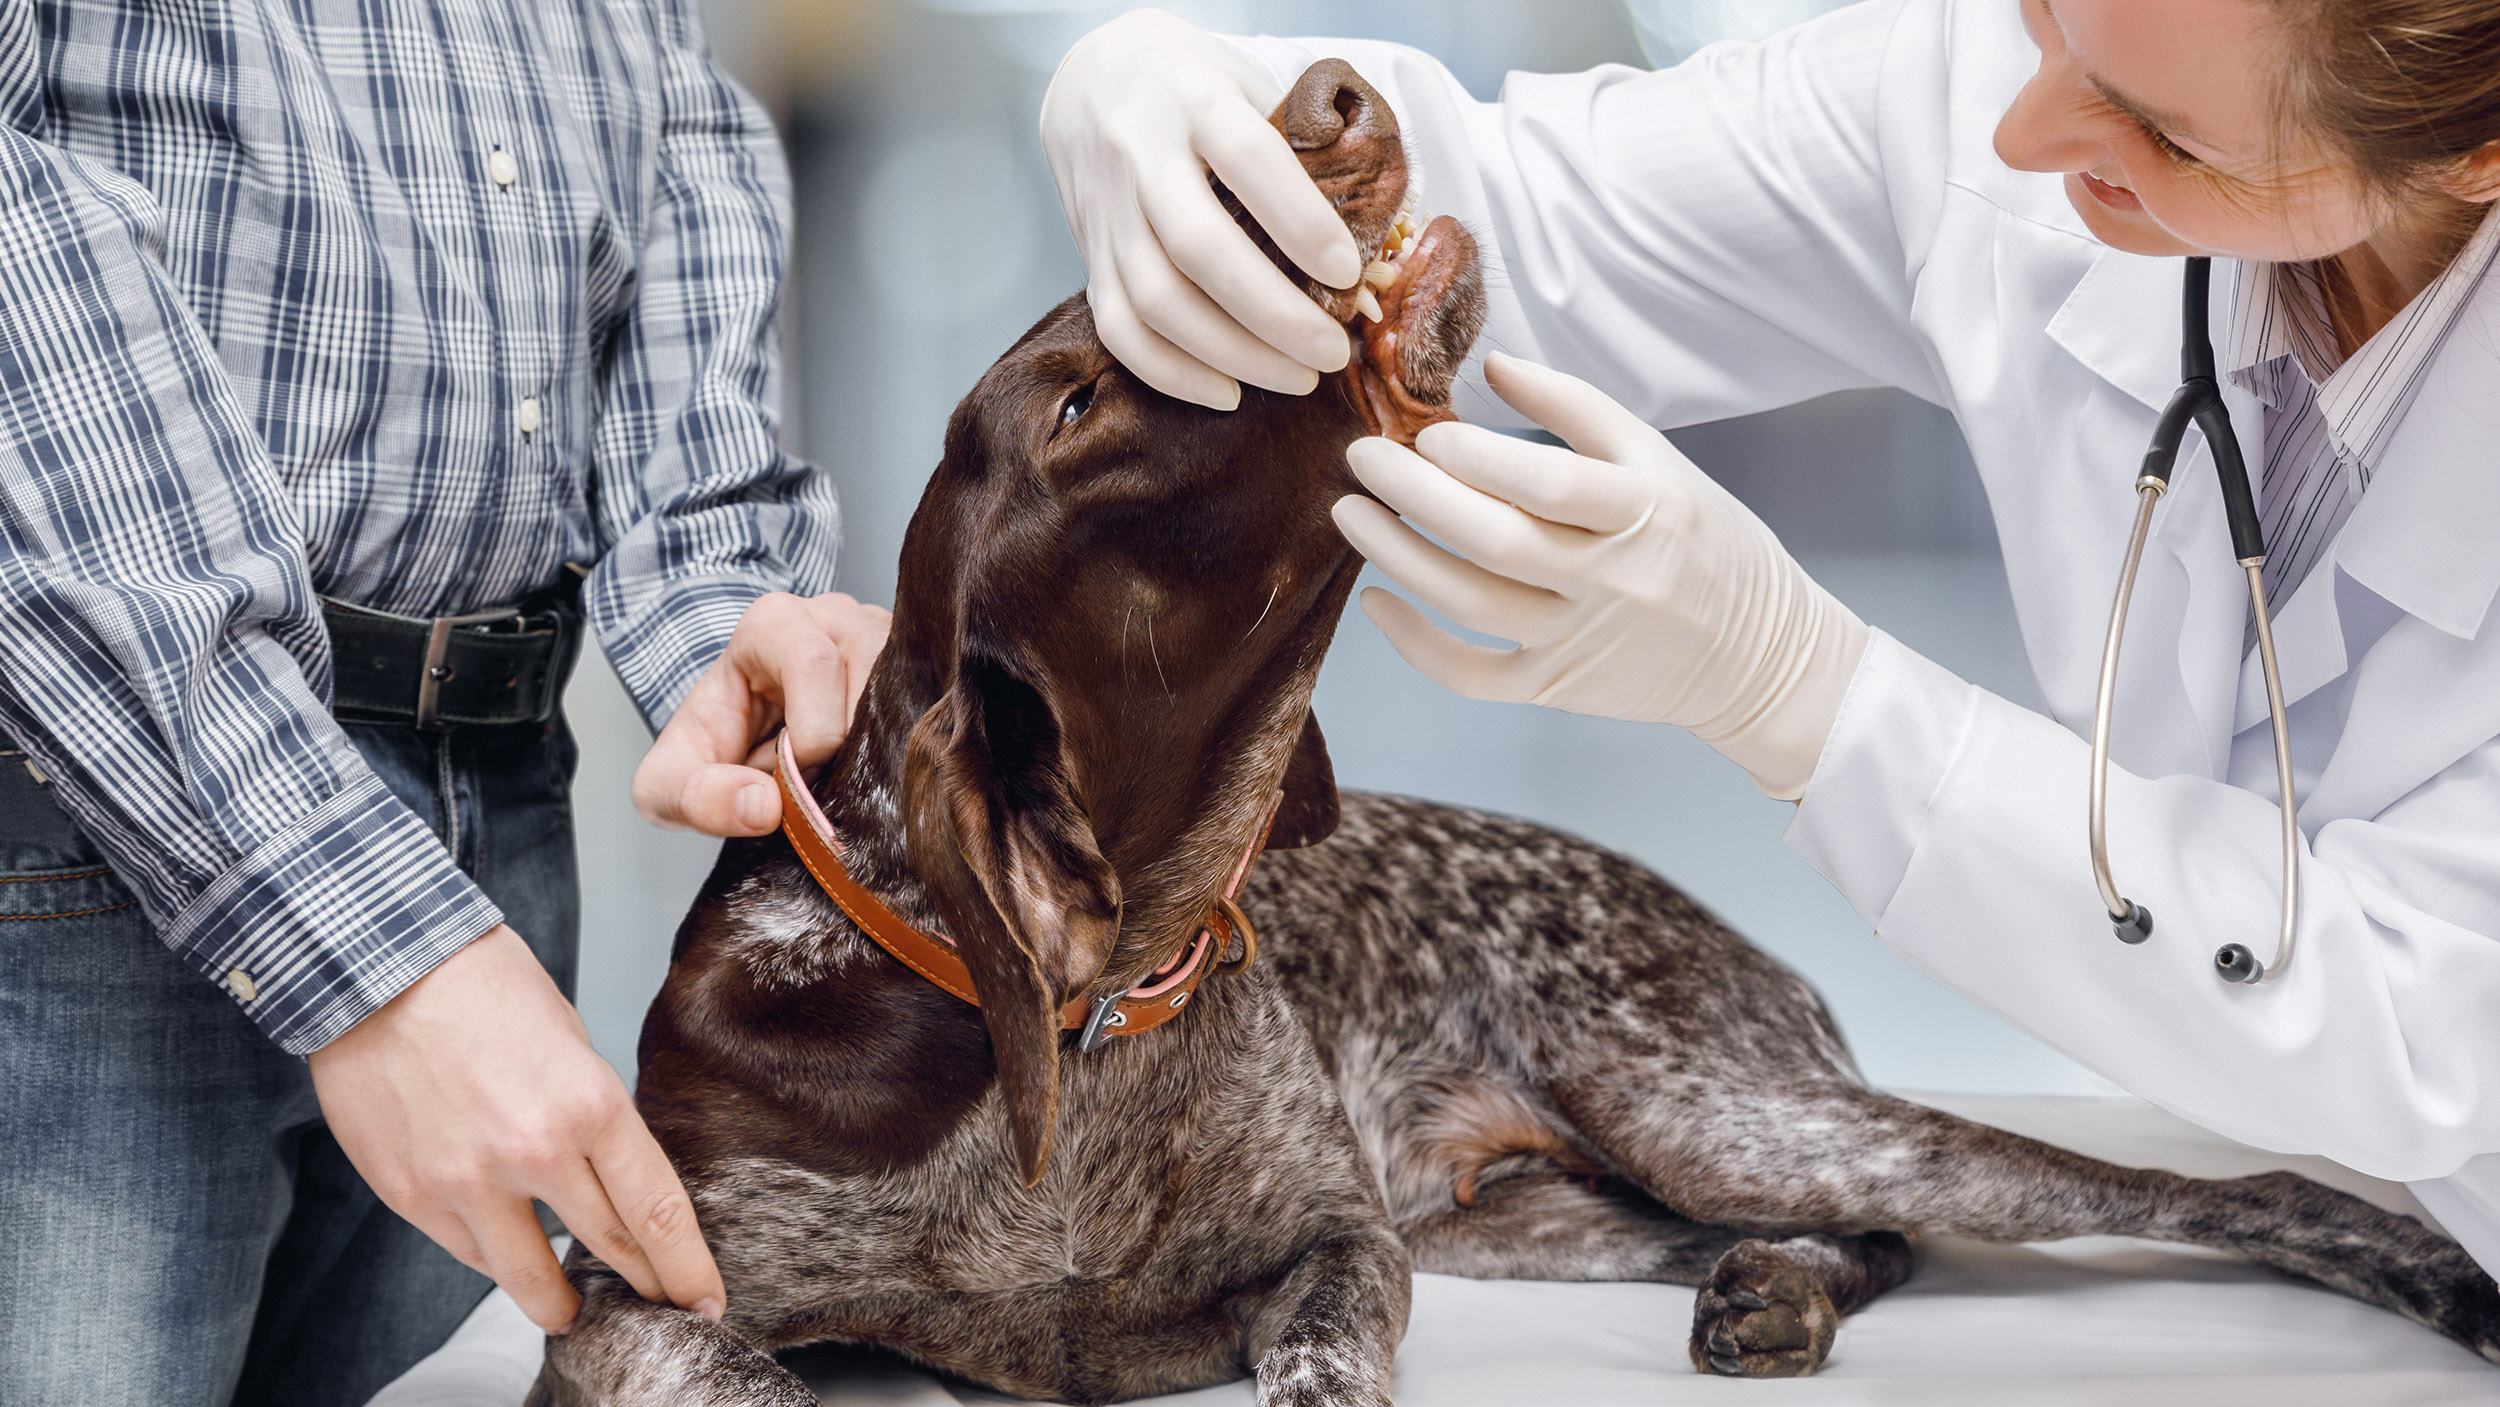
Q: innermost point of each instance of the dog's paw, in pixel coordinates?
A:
(1321, 1375)
(1760, 1316)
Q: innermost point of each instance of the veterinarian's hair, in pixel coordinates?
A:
(2407, 89)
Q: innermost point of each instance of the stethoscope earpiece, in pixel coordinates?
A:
(2198, 403)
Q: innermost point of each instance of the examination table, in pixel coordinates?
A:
(2098, 1321)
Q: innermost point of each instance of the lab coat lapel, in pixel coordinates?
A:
(2426, 535)
(2122, 322)
(2426, 539)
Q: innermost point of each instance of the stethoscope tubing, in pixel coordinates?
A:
(2198, 400)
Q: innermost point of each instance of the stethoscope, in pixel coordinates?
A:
(2199, 399)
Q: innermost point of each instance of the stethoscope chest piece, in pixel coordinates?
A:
(2197, 401)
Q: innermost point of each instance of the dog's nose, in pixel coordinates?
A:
(1332, 103)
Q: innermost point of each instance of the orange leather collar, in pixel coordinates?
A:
(1140, 1010)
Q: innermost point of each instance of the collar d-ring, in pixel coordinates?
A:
(1238, 922)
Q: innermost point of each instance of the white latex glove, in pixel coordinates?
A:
(1139, 113)
(1635, 585)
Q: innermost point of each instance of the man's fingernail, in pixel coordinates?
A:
(755, 806)
(709, 1307)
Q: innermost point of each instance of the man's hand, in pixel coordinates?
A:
(476, 1090)
(799, 662)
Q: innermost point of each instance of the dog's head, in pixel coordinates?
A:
(1120, 601)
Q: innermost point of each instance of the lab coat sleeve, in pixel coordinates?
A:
(1954, 821)
(1726, 236)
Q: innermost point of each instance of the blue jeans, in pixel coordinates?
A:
(177, 1225)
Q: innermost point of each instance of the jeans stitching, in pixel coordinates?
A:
(40, 878)
(73, 913)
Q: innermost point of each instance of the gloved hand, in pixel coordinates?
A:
(1138, 114)
(1636, 587)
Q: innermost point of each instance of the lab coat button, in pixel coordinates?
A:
(502, 167)
(528, 417)
(240, 983)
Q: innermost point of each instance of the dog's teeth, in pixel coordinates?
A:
(1365, 303)
(1378, 274)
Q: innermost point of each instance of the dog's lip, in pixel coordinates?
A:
(1423, 276)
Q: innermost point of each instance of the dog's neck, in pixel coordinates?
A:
(1165, 897)
(861, 791)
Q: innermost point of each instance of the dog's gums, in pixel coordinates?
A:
(1432, 299)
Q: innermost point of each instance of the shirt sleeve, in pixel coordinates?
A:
(1714, 239)
(162, 655)
(1954, 821)
(700, 509)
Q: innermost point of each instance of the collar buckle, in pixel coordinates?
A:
(1100, 1022)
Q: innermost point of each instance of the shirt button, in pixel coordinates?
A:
(240, 983)
(528, 416)
(502, 167)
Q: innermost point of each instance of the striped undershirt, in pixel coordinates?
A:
(2328, 418)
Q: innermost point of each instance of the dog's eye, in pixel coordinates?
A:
(1074, 408)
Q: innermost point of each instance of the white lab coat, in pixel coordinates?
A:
(1767, 223)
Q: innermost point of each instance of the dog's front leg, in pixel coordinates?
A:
(626, 1351)
(1325, 1335)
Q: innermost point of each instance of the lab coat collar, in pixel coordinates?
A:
(2426, 536)
(2122, 322)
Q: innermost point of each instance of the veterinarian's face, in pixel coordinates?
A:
(2169, 120)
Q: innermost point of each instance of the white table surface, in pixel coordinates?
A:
(2103, 1320)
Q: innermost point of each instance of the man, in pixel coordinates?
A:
(323, 327)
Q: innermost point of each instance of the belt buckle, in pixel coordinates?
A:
(438, 647)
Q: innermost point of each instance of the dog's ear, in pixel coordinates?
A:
(1308, 814)
(994, 827)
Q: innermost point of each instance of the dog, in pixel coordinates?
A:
(1466, 1045)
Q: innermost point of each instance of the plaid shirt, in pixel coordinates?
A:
(408, 302)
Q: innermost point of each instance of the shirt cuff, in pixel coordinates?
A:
(661, 645)
(332, 917)
(1901, 727)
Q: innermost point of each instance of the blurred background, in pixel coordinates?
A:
(929, 235)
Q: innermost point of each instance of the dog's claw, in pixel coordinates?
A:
(1744, 1297)
(1726, 1366)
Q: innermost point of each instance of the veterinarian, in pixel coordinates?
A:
(1982, 202)
(355, 355)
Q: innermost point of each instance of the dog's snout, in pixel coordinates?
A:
(1331, 102)
(1346, 136)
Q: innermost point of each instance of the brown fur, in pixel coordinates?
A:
(1471, 1045)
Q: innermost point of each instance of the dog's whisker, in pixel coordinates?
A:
(1263, 610)
(1156, 655)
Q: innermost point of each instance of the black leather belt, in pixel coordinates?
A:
(507, 665)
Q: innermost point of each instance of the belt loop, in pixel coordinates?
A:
(437, 646)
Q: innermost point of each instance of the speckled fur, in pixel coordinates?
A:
(1470, 1045)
